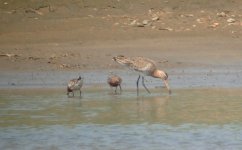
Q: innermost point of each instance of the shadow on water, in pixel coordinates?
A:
(187, 119)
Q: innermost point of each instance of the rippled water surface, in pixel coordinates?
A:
(188, 119)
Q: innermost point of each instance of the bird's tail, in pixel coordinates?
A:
(122, 60)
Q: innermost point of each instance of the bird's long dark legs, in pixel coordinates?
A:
(120, 88)
(116, 90)
(80, 93)
(137, 84)
(67, 92)
(143, 83)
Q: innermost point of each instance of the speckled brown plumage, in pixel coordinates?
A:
(74, 85)
(145, 67)
(115, 81)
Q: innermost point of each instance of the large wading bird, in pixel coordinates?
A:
(145, 67)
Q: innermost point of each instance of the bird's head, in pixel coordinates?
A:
(79, 78)
(163, 76)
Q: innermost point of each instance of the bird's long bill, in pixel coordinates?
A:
(167, 86)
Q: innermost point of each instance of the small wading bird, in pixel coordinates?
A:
(115, 81)
(74, 85)
(145, 67)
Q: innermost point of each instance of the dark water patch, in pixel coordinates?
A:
(136, 136)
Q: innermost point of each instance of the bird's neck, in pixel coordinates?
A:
(159, 74)
(155, 73)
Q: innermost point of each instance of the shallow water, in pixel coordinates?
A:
(188, 119)
(213, 76)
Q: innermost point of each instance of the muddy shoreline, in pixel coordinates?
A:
(169, 52)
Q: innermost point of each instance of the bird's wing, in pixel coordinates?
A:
(139, 64)
(142, 64)
(114, 79)
(71, 83)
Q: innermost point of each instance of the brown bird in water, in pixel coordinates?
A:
(115, 81)
(74, 85)
(145, 67)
